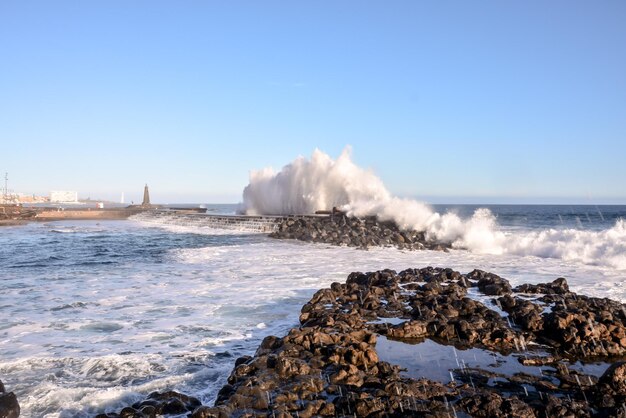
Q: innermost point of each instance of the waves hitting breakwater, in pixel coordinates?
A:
(320, 183)
(335, 229)
(604, 247)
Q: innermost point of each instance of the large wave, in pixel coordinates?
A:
(305, 186)
(321, 183)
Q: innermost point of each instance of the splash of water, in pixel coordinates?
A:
(607, 247)
(321, 183)
(305, 186)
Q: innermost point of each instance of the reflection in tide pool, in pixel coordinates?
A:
(431, 360)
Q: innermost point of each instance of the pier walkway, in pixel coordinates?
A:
(246, 223)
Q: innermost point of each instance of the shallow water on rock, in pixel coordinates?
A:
(443, 363)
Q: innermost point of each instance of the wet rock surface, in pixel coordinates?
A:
(339, 229)
(168, 403)
(331, 364)
(9, 406)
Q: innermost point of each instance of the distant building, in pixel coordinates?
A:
(31, 198)
(63, 197)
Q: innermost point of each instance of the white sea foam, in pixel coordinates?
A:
(95, 381)
(607, 247)
(321, 183)
(189, 314)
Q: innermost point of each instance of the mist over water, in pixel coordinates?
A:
(321, 183)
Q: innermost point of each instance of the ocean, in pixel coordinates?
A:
(96, 315)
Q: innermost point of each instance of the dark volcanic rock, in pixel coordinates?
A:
(329, 366)
(609, 395)
(489, 283)
(494, 405)
(526, 314)
(339, 229)
(615, 378)
(559, 287)
(582, 326)
(9, 407)
(158, 404)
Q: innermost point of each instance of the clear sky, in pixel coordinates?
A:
(448, 100)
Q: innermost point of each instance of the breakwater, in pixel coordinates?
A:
(340, 229)
(263, 224)
(335, 229)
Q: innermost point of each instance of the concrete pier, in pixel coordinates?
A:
(262, 224)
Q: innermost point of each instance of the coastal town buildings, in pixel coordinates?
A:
(59, 196)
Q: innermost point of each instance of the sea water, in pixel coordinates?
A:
(96, 315)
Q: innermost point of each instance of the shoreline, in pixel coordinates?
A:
(12, 222)
(23, 216)
(535, 334)
(533, 350)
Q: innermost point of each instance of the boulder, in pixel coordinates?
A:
(615, 378)
(9, 406)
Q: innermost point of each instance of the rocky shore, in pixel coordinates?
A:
(9, 407)
(12, 215)
(340, 229)
(429, 342)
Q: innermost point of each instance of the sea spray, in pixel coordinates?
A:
(321, 183)
(305, 186)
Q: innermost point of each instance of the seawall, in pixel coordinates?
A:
(248, 223)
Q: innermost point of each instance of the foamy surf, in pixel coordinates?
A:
(603, 248)
(188, 306)
(321, 183)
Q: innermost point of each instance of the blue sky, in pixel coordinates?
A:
(452, 101)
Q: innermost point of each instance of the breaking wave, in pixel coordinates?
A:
(321, 183)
